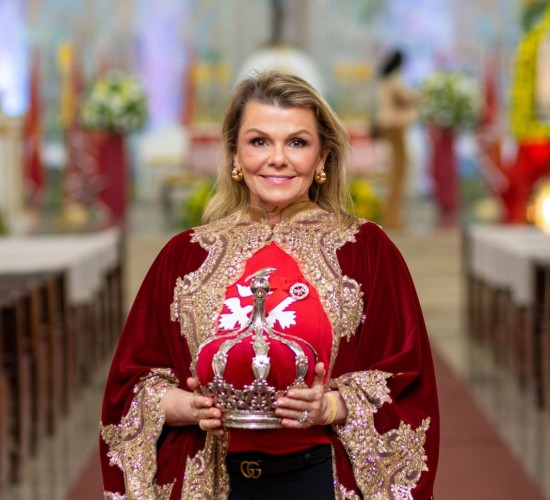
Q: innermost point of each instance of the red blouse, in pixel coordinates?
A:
(292, 308)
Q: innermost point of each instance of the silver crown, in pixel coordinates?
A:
(253, 406)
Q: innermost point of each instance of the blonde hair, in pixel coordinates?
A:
(287, 91)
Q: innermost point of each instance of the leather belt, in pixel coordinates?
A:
(256, 467)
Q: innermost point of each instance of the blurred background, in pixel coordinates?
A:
(110, 119)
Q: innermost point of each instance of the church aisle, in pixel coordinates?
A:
(494, 443)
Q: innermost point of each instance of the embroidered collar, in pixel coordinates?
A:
(257, 214)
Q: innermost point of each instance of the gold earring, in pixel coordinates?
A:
(236, 174)
(320, 177)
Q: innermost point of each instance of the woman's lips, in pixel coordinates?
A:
(277, 179)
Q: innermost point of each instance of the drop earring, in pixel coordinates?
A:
(320, 177)
(236, 174)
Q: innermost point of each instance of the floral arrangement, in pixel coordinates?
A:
(523, 112)
(366, 202)
(116, 102)
(450, 100)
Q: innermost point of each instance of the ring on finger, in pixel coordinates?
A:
(303, 416)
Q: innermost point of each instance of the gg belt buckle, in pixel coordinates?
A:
(251, 469)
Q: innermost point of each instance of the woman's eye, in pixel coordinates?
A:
(258, 141)
(298, 143)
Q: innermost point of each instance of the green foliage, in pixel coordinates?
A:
(450, 100)
(366, 202)
(532, 14)
(190, 209)
(3, 225)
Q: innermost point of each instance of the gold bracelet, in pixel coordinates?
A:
(331, 400)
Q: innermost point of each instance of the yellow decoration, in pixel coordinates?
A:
(75, 217)
(524, 120)
(366, 202)
(65, 56)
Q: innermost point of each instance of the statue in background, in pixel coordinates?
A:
(396, 109)
(278, 55)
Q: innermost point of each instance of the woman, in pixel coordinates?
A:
(366, 424)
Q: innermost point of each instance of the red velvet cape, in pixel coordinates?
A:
(391, 337)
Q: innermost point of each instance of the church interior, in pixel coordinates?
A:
(110, 125)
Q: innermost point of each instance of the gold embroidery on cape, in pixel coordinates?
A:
(228, 251)
(132, 443)
(107, 495)
(205, 474)
(314, 245)
(312, 239)
(343, 494)
(340, 492)
(386, 466)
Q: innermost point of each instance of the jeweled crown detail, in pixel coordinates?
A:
(253, 406)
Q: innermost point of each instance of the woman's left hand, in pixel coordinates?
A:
(302, 408)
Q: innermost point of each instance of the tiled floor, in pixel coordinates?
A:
(434, 258)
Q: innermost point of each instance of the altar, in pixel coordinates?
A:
(507, 269)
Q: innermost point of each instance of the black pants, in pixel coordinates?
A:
(311, 482)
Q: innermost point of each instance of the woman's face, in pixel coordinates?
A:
(278, 151)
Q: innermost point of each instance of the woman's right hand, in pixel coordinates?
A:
(191, 408)
(208, 416)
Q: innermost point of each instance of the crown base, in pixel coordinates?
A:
(250, 420)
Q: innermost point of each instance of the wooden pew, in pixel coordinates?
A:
(49, 344)
(34, 368)
(28, 290)
(6, 407)
(541, 348)
(17, 364)
(506, 269)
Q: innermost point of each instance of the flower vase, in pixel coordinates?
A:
(444, 171)
(113, 168)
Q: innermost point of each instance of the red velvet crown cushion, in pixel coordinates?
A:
(303, 320)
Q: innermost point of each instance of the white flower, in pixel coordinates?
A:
(116, 102)
(450, 99)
